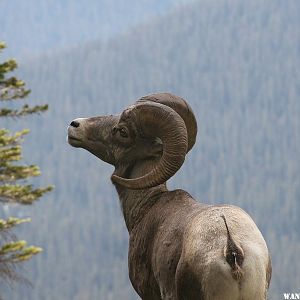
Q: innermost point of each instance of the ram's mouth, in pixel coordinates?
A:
(74, 137)
(74, 141)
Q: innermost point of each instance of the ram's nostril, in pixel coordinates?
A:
(74, 124)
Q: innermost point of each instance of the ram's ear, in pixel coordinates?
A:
(151, 149)
(156, 149)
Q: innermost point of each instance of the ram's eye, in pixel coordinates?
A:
(123, 132)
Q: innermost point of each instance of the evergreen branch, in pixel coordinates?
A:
(8, 66)
(11, 173)
(25, 110)
(11, 140)
(14, 252)
(18, 254)
(2, 45)
(25, 254)
(9, 154)
(22, 194)
(10, 91)
(12, 82)
(12, 247)
(11, 222)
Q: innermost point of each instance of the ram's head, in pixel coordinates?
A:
(157, 126)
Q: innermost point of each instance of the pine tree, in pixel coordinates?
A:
(13, 175)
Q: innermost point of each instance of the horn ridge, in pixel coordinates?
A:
(181, 107)
(158, 120)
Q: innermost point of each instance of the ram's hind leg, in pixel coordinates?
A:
(188, 287)
(168, 290)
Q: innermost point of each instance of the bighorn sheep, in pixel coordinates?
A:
(179, 248)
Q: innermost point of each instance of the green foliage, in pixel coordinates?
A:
(17, 251)
(12, 190)
(12, 88)
(13, 251)
(11, 222)
(10, 152)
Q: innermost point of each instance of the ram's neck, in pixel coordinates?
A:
(136, 203)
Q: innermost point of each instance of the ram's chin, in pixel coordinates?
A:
(74, 142)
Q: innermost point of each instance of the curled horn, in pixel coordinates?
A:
(158, 120)
(181, 107)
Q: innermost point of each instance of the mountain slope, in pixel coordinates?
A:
(237, 63)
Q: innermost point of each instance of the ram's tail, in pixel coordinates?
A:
(234, 255)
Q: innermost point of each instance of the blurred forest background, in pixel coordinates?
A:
(238, 65)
